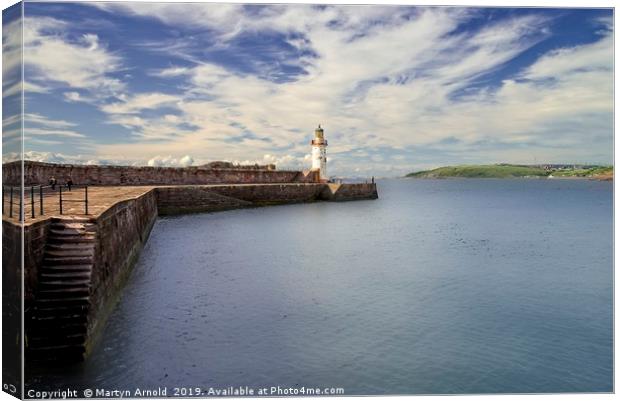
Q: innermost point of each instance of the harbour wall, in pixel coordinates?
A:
(11, 257)
(35, 239)
(12, 338)
(37, 173)
(347, 192)
(190, 199)
(123, 229)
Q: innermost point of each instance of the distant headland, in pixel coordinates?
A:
(504, 170)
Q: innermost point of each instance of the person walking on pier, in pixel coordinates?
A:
(69, 183)
(52, 182)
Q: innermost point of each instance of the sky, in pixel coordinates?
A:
(396, 88)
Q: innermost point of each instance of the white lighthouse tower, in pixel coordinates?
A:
(319, 153)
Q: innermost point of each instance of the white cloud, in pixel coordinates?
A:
(376, 79)
(72, 96)
(170, 72)
(52, 132)
(11, 134)
(58, 157)
(45, 157)
(11, 55)
(169, 161)
(37, 129)
(37, 126)
(16, 88)
(223, 18)
(322, 95)
(76, 97)
(186, 160)
(11, 119)
(53, 58)
(282, 162)
(33, 118)
(398, 108)
(563, 63)
(91, 40)
(140, 102)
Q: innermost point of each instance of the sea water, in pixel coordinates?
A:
(439, 286)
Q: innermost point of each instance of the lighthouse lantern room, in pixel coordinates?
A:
(319, 153)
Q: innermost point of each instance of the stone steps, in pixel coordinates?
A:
(72, 223)
(66, 268)
(56, 337)
(60, 274)
(84, 251)
(68, 327)
(56, 302)
(59, 324)
(72, 352)
(73, 239)
(73, 219)
(57, 311)
(69, 232)
(67, 260)
(68, 318)
(64, 292)
(64, 246)
(53, 282)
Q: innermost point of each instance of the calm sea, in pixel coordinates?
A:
(440, 286)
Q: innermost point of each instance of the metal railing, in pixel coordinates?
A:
(84, 200)
(39, 200)
(13, 202)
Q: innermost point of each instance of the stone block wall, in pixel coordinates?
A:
(12, 339)
(272, 194)
(191, 199)
(36, 173)
(347, 192)
(122, 231)
(35, 240)
(11, 258)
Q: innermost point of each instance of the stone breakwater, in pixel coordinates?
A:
(35, 173)
(75, 267)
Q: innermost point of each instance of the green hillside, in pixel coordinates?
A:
(516, 171)
(482, 171)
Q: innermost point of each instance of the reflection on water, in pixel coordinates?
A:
(453, 286)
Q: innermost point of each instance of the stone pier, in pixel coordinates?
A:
(75, 266)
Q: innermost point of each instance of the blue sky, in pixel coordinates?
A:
(396, 88)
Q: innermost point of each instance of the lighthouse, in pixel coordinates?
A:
(319, 153)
